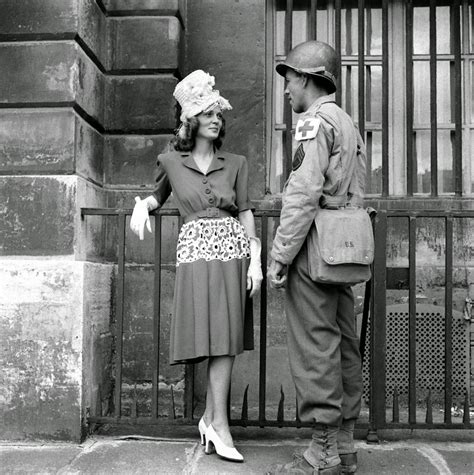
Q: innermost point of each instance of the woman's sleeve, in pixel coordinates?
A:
(163, 187)
(241, 187)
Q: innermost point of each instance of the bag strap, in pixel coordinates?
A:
(342, 201)
(333, 202)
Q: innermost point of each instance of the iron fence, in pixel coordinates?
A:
(385, 278)
(373, 333)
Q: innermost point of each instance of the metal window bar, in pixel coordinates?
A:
(456, 46)
(348, 103)
(287, 112)
(433, 101)
(337, 43)
(313, 18)
(365, 115)
(467, 14)
(368, 29)
(369, 147)
(410, 165)
(348, 47)
(385, 99)
(377, 405)
(361, 64)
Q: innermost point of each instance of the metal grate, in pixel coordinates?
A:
(430, 350)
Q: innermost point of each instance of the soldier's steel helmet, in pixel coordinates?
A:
(315, 58)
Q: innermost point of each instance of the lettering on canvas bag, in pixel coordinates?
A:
(341, 246)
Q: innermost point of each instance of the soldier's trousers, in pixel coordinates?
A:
(323, 347)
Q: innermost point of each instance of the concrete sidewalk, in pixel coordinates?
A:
(149, 455)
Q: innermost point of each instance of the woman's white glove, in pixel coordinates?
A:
(140, 216)
(254, 272)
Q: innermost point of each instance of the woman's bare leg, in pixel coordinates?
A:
(209, 410)
(218, 383)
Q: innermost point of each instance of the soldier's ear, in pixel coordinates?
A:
(304, 80)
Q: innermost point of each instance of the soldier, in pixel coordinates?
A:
(328, 170)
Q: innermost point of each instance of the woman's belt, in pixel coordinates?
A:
(208, 213)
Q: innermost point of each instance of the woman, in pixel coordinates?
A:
(213, 272)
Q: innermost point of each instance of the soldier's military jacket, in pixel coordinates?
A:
(329, 164)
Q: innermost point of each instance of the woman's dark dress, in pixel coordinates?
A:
(211, 312)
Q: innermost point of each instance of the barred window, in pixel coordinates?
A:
(407, 79)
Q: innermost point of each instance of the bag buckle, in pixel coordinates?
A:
(212, 212)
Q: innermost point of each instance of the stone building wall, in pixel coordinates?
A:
(85, 106)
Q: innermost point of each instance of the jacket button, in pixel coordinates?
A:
(331, 258)
(204, 180)
(207, 191)
(211, 200)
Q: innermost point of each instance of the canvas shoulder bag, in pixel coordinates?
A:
(341, 246)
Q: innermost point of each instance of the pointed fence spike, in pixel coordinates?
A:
(281, 407)
(98, 402)
(134, 408)
(429, 408)
(172, 403)
(111, 403)
(297, 416)
(466, 419)
(395, 406)
(245, 407)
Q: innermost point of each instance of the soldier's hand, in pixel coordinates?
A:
(277, 274)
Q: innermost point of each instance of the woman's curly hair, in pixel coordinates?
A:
(185, 139)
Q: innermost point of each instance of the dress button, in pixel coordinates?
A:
(207, 191)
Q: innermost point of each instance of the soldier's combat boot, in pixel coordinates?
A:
(322, 452)
(320, 458)
(298, 466)
(345, 446)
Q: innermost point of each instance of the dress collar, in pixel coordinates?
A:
(217, 162)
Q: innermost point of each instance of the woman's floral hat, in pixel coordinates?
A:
(195, 94)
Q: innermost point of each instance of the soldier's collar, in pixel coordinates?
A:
(318, 103)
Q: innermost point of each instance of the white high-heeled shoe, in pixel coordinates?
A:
(202, 430)
(228, 453)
